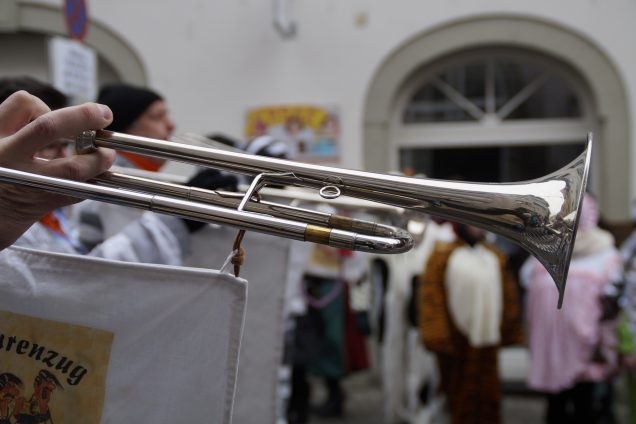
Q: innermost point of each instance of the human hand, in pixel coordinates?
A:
(26, 126)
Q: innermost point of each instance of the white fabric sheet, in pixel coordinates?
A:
(175, 335)
(266, 267)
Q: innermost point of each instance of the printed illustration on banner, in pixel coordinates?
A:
(51, 371)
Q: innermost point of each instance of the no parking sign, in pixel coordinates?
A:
(76, 16)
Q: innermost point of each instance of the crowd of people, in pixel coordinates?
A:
(470, 302)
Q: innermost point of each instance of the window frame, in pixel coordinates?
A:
(489, 131)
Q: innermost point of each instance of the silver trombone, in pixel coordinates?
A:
(540, 215)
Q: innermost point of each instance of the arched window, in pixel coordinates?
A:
(491, 115)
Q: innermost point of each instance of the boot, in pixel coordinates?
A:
(298, 407)
(334, 405)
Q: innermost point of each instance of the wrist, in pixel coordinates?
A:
(13, 228)
(21, 207)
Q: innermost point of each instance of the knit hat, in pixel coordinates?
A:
(266, 145)
(127, 103)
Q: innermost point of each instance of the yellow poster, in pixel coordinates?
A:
(51, 372)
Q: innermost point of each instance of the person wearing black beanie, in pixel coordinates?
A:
(129, 104)
(142, 112)
(137, 111)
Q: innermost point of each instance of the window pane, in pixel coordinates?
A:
(489, 164)
(469, 164)
(469, 80)
(553, 100)
(511, 77)
(429, 104)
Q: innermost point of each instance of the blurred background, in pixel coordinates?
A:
(492, 90)
(501, 90)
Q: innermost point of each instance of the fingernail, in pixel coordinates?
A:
(106, 113)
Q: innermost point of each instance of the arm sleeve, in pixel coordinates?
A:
(151, 239)
(88, 224)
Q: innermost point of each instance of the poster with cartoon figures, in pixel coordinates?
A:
(51, 372)
(311, 133)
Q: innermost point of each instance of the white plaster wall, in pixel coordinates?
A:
(214, 59)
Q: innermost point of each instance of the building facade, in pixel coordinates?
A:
(493, 90)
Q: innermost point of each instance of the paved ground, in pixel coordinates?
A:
(364, 404)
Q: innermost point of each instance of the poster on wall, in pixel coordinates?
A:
(311, 133)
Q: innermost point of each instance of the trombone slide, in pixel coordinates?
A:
(209, 213)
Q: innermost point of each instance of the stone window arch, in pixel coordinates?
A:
(606, 108)
(491, 114)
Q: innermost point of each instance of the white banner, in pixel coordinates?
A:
(266, 268)
(269, 270)
(85, 340)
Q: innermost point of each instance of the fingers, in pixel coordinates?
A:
(62, 123)
(18, 110)
(80, 167)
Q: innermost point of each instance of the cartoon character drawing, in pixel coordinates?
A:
(36, 409)
(10, 386)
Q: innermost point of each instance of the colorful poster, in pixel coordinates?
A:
(51, 371)
(311, 133)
